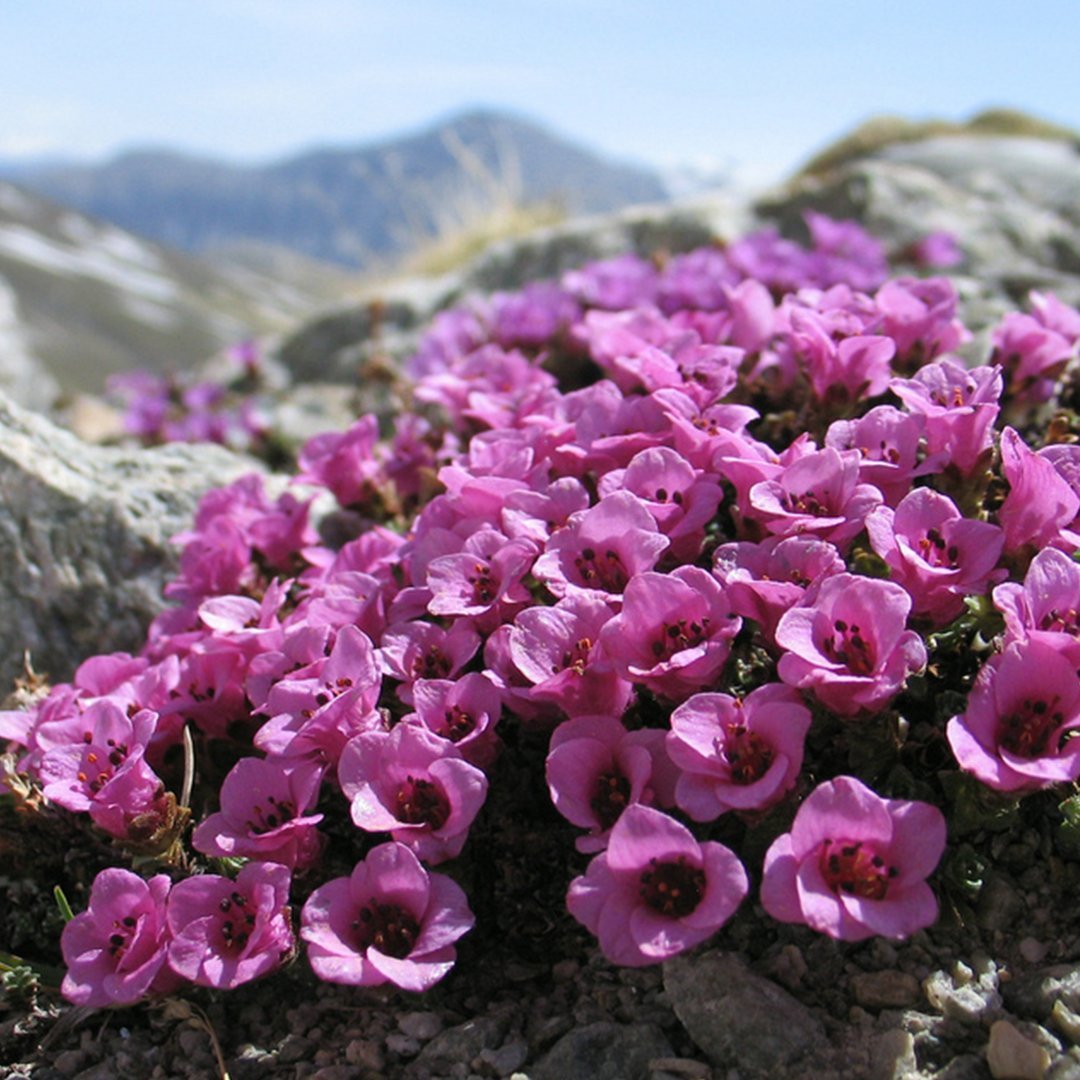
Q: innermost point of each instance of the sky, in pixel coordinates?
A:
(749, 88)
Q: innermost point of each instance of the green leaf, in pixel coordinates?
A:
(62, 903)
(974, 806)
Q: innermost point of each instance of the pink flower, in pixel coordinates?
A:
(849, 647)
(465, 712)
(264, 814)
(226, 932)
(655, 891)
(1046, 607)
(601, 549)
(1018, 732)
(596, 769)
(415, 786)
(115, 950)
(855, 864)
(1032, 354)
(1041, 504)
(737, 753)
(888, 443)
(389, 921)
(344, 462)
(818, 494)
(765, 580)
(958, 407)
(557, 650)
(674, 632)
(935, 553)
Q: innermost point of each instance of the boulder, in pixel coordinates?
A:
(84, 538)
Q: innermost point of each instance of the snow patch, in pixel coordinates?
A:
(116, 260)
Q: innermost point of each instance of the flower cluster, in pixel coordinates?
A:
(741, 537)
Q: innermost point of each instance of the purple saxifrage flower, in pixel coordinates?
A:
(849, 647)
(389, 921)
(656, 891)
(115, 950)
(855, 864)
(226, 932)
(737, 753)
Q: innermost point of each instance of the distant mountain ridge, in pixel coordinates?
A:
(360, 207)
(81, 298)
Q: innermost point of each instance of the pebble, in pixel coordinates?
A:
(737, 1017)
(294, 1048)
(69, 1062)
(1012, 1056)
(420, 1025)
(1000, 903)
(1034, 994)
(507, 1059)
(1066, 1021)
(603, 1051)
(402, 1045)
(969, 1004)
(1032, 950)
(885, 989)
(365, 1053)
(461, 1043)
(892, 1055)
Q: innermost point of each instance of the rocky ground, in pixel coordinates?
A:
(992, 990)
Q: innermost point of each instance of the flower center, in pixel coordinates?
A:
(855, 870)
(431, 664)
(610, 797)
(933, 548)
(387, 927)
(120, 938)
(237, 922)
(1067, 622)
(847, 646)
(484, 590)
(672, 888)
(604, 571)
(805, 502)
(680, 635)
(576, 658)
(421, 802)
(748, 755)
(279, 813)
(1026, 733)
(457, 723)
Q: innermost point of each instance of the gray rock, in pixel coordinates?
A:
(1012, 202)
(603, 1051)
(84, 538)
(461, 1043)
(737, 1017)
(969, 1002)
(1034, 993)
(359, 340)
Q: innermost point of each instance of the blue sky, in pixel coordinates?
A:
(758, 85)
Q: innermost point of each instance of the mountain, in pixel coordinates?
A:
(361, 206)
(80, 298)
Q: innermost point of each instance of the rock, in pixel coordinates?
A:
(84, 538)
(885, 989)
(892, 1056)
(603, 1051)
(738, 1018)
(1000, 903)
(1066, 1021)
(1034, 994)
(969, 1002)
(507, 1059)
(461, 1043)
(359, 340)
(420, 1025)
(1012, 1056)
(1011, 201)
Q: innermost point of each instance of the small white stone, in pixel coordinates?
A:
(1066, 1021)
(1012, 1056)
